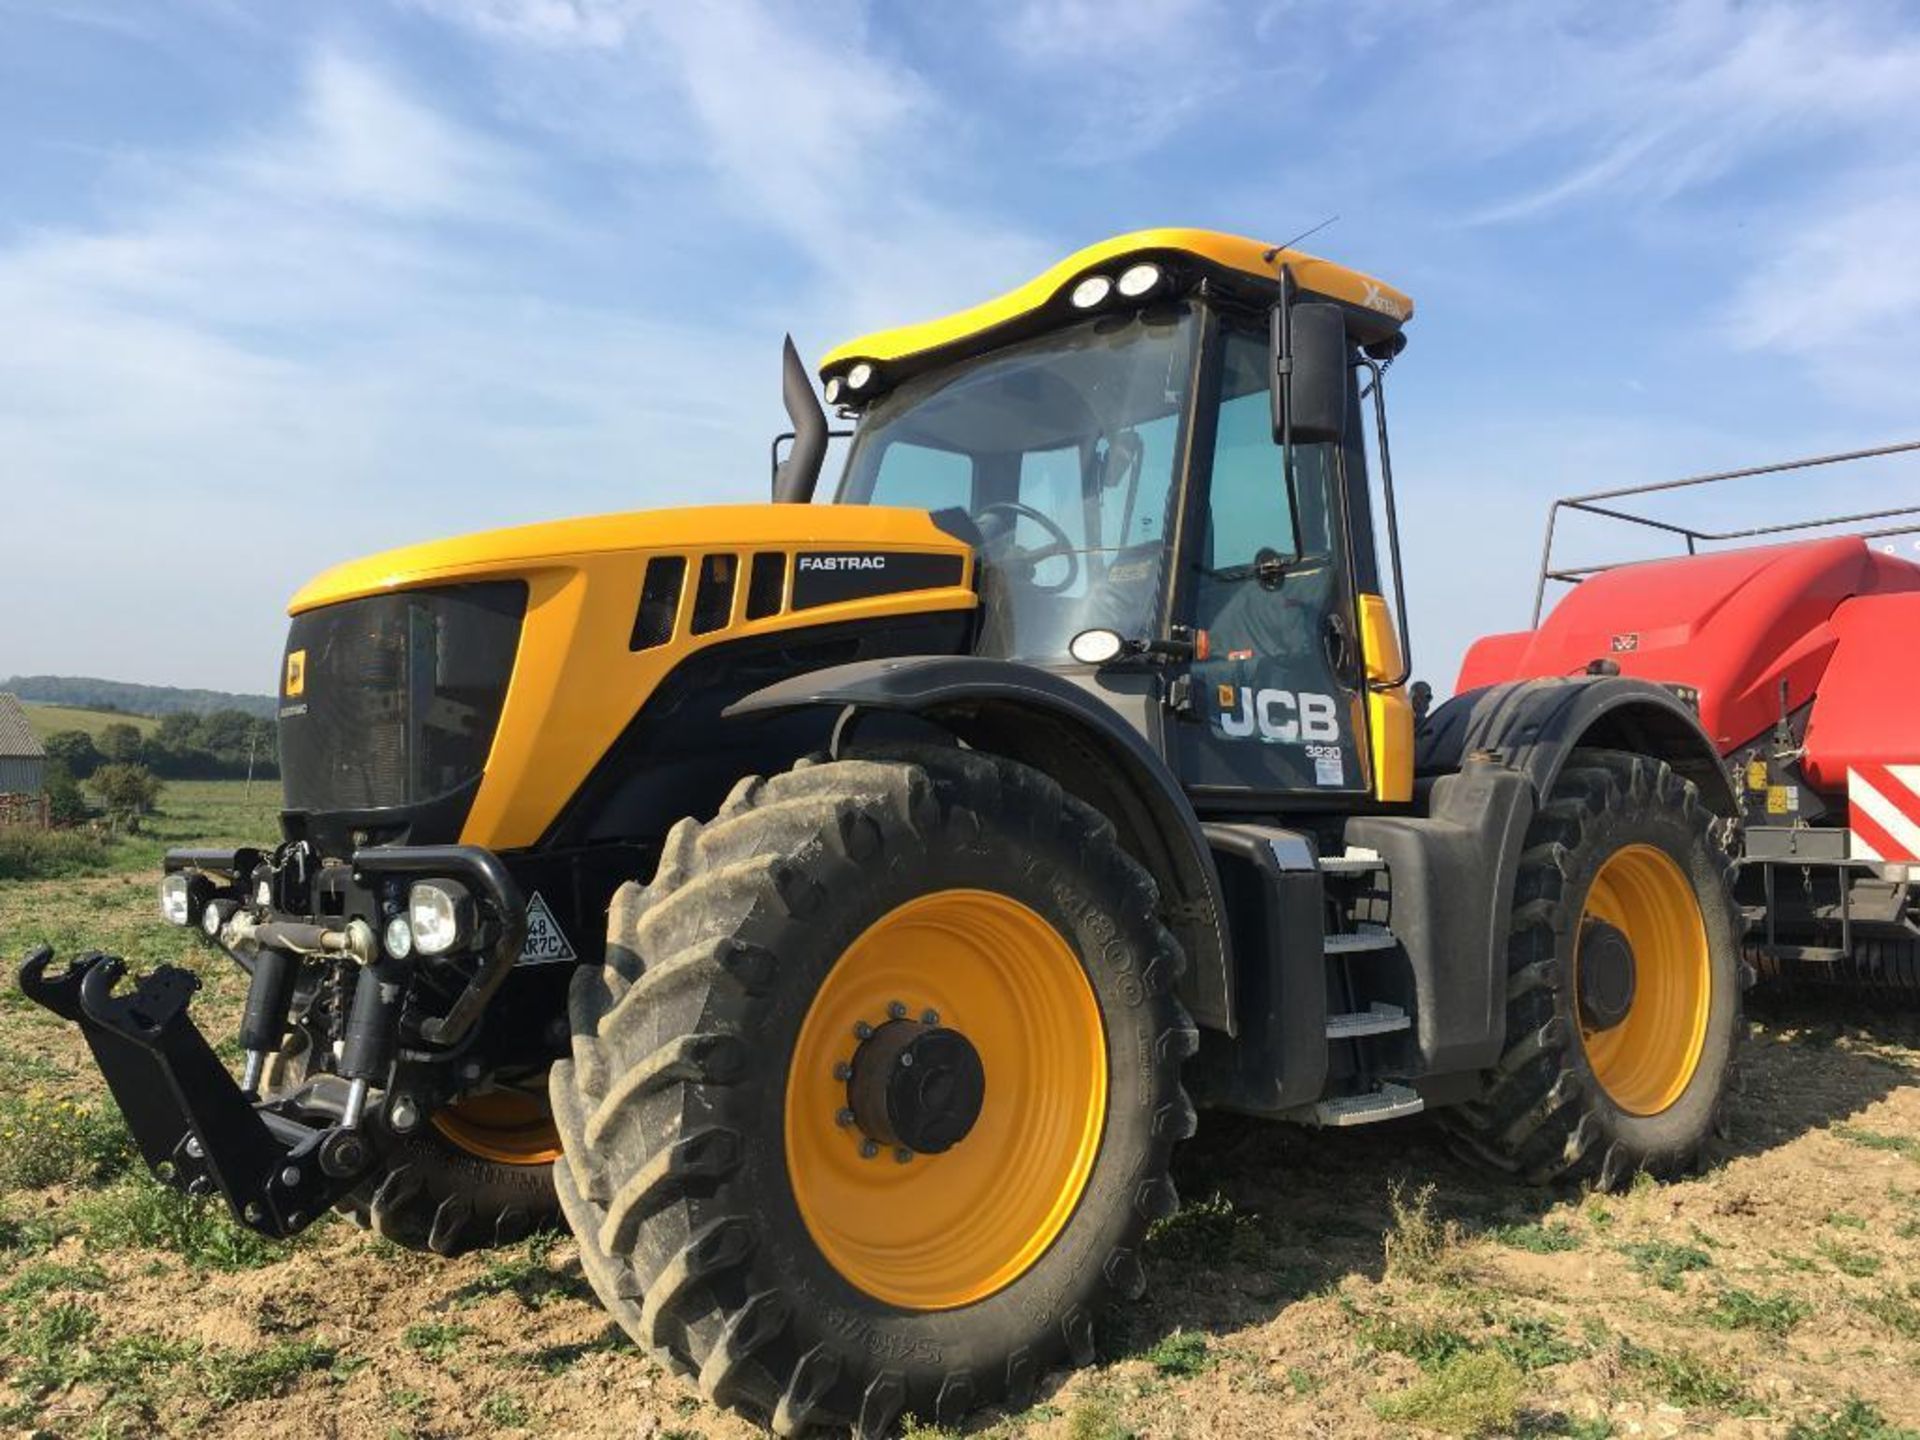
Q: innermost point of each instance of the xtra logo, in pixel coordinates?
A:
(843, 562)
(1278, 715)
(1376, 299)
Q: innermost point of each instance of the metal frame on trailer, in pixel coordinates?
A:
(1588, 504)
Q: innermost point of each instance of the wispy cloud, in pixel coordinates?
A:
(273, 355)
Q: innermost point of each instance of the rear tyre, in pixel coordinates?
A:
(1624, 982)
(769, 1198)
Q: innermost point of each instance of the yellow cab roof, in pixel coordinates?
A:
(1373, 305)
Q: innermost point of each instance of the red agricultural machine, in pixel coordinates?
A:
(1799, 657)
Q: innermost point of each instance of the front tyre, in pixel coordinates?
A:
(1624, 982)
(873, 1102)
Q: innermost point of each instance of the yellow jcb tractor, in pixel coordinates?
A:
(839, 909)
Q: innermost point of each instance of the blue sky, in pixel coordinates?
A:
(281, 284)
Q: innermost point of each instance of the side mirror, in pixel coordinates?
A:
(1310, 361)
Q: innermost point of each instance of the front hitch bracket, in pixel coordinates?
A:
(193, 1125)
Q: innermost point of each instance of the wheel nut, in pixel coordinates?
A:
(842, 1071)
(869, 1149)
(843, 1119)
(897, 1010)
(290, 1176)
(929, 1016)
(902, 1154)
(862, 1030)
(253, 1212)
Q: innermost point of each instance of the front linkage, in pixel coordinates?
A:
(280, 1162)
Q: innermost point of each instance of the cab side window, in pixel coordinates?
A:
(1247, 505)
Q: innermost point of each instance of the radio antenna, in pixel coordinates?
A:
(1269, 256)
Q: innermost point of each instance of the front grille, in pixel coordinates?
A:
(397, 695)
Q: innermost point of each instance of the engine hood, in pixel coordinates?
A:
(526, 550)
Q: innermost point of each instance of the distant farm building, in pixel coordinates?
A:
(23, 759)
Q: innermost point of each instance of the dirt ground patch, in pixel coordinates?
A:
(1317, 1284)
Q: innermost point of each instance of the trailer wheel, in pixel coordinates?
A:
(1624, 982)
(873, 1103)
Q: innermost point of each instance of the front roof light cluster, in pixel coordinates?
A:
(1136, 282)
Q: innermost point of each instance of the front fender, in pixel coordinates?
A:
(1033, 716)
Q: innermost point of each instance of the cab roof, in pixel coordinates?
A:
(1376, 311)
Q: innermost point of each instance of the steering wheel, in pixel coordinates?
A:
(1032, 560)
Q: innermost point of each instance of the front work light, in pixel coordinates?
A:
(1138, 280)
(860, 376)
(176, 899)
(1090, 292)
(1097, 647)
(440, 914)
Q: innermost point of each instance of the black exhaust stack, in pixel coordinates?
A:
(793, 482)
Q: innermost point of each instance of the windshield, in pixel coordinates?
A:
(1062, 451)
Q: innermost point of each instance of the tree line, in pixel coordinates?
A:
(183, 746)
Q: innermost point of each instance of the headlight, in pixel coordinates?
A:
(440, 914)
(1090, 292)
(1137, 280)
(833, 389)
(213, 919)
(399, 937)
(176, 899)
(859, 376)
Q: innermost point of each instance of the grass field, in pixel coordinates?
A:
(1336, 1284)
(46, 719)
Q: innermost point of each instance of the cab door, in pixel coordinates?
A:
(1277, 697)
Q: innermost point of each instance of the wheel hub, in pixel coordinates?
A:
(1607, 975)
(916, 1086)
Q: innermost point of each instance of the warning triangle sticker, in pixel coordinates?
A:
(546, 942)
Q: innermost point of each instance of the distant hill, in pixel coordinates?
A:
(51, 719)
(86, 693)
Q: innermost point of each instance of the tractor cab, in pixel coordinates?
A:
(1109, 440)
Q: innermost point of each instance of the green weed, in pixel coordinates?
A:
(1096, 1418)
(145, 1213)
(1213, 1231)
(1664, 1263)
(1856, 1420)
(1419, 1246)
(1184, 1352)
(1904, 1145)
(1896, 1312)
(49, 1141)
(1684, 1379)
(1469, 1395)
(436, 1340)
(1428, 1344)
(1535, 1344)
(1857, 1263)
(505, 1409)
(1548, 1239)
(230, 1377)
(1735, 1309)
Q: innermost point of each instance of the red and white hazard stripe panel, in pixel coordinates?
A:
(1884, 806)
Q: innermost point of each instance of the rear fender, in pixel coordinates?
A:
(1534, 726)
(1041, 720)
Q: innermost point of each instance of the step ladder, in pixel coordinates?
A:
(1390, 1102)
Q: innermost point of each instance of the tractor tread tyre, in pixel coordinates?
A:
(431, 1195)
(674, 1178)
(1544, 1115)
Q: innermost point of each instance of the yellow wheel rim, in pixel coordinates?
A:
(949, 1229)
(503, 1126)
(1647, 1060)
